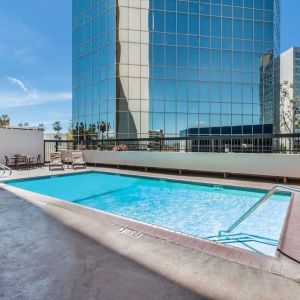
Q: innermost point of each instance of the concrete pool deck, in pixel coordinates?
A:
(46, 233)
(43, 259)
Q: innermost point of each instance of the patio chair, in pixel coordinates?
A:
(20, 161)
(55, 161)
(77, 160)
(9, 162)
(37, 162)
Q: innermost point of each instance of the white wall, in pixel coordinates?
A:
(287, 66)
(287, 74)
(281, 165)
(14, 141)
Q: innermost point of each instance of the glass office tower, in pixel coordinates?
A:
(143, 67)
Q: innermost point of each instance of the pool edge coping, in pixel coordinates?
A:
(150, 176)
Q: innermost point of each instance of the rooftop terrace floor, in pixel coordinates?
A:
(51, 252)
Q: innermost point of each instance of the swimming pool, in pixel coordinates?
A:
(197, 209)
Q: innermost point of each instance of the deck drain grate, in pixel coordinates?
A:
(130, 232)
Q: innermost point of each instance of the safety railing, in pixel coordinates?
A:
(5, 171)
(259, 143)
(252, 209)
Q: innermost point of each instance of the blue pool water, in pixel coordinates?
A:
(197, 209)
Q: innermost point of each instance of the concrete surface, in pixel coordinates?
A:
(50, 252)
(272, 165)
(43, 259)
(289, 243)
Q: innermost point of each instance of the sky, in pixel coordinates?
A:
(36, 61)
(36, 58)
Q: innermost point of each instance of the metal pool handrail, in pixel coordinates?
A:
(257, 205)
(3, 170)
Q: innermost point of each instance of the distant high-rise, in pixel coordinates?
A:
(144, 66)
(290, 72)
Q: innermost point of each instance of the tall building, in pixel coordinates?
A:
(143, 66)
(290, 73)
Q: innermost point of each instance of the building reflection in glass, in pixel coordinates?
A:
(170, 66)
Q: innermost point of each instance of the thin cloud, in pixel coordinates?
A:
(18, 82)
(34, 97)
(29, 96)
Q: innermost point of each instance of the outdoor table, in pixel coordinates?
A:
(14, 158)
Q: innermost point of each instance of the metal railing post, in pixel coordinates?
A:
(254, 207)
(261, 143)
(45, 142)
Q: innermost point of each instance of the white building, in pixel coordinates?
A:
(24, 140)
(290, 72)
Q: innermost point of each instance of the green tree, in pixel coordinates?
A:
(79, 131)
(26, 124)
(20, 124)
(4, 121)
(289, 108)
(41, 127)
(57, 128)
(108, 127)
(102, 128)
(70, 136)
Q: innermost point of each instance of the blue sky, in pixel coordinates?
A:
(290, 23)
(35, 57)
(35, 61)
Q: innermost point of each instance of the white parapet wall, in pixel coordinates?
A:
(277, 165)
(15, 141)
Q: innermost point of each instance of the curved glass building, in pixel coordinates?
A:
(170, 67)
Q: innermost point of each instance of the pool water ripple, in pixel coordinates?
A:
(197, 209)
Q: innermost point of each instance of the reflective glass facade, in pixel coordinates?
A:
(297, 73)
(167, 66)
(94, 67)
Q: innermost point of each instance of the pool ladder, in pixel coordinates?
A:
(5, 171)
(243, 238)
(252, 209)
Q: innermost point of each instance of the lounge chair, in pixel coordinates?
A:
(77, 160)
(55, 161)
(9, 162)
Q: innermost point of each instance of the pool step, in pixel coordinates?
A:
(242, 238)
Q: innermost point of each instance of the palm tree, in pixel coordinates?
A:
(102, 128)
(57, 128)
(108, 126)
(4, 121)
